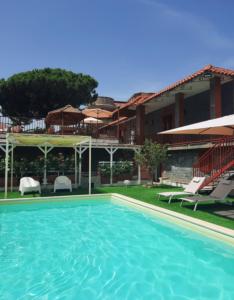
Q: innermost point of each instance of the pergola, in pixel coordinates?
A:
(46, 143)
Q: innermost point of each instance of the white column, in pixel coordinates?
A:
(90, 164)
(80, 151)
(75, 167)
(45, 166)
(80, 165)
(46, 150)
(6, 166)
(12, 166)
(111, 166)
(111, 151)
(138, 169)
(139, 174)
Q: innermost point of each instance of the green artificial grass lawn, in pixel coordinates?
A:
(205, 211)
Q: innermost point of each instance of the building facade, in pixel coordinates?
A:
(203, 95)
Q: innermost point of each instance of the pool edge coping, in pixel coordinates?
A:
(194, 221)
(223, 231)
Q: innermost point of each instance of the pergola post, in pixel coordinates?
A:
(111, 167)
(10, 150)
(45, 167)
(138, 169)
(80, 165)
(75, 167)
(12, 166)
(6, 166)
(139, 174)
(111, 151)
(80, 151)
(90, 165)
(46, 150)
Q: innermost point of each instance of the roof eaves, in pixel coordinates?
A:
(210, 68)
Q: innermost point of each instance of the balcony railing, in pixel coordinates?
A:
(184, 140)
(38, 126)
(127, 136)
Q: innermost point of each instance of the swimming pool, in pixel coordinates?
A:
(102, 249)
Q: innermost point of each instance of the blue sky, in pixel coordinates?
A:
(127, 45)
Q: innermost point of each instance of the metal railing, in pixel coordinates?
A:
(38, 126)
(217, 160)
(124, 135)
(184, 140)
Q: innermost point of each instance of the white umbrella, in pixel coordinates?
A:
(91, 120)
(218, 126)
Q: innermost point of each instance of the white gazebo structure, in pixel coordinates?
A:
(46, 143)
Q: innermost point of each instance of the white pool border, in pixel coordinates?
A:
(203, 227)
(198, 225)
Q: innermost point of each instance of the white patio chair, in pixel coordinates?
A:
(62, 183)
(28, 184)
(191, 189)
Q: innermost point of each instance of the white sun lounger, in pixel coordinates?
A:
(28, 184)
(222, 190)
(62, 183)
(191, 189)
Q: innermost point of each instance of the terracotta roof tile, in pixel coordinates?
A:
(119, 103)
(208, 68)
(141, 98)
(97, 113)
(134, 100)
(116, 122)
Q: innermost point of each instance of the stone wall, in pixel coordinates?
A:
(178, 168)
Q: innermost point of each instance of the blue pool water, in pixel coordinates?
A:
(94, 249)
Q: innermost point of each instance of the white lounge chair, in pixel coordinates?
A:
(219, 194)
(191, 189)
(28, 184)
(62, 183)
